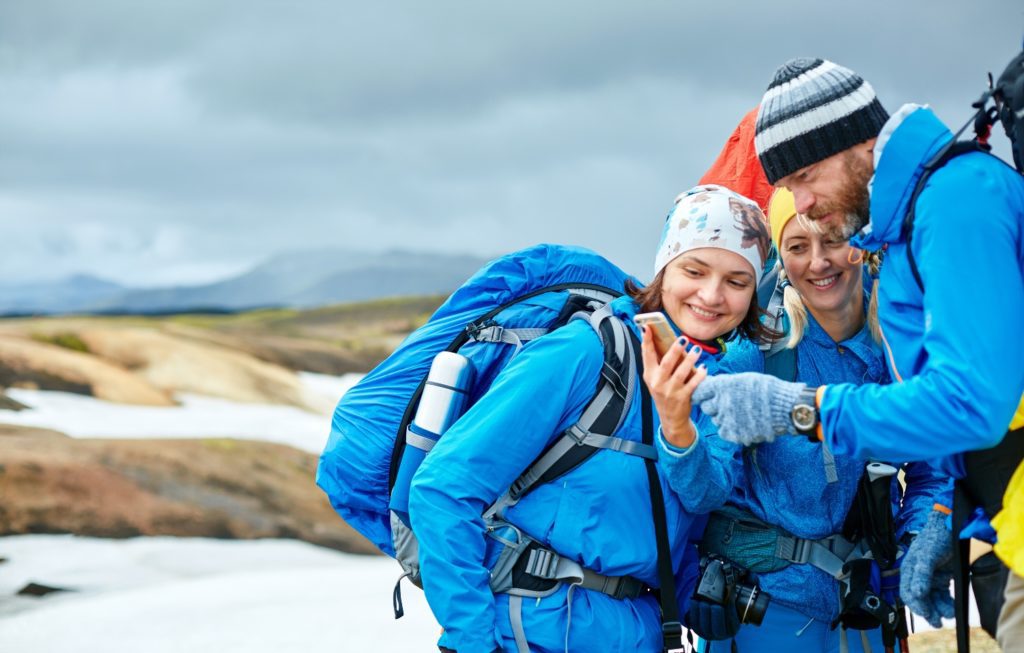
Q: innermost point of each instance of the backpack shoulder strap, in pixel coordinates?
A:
(781, 363)
(671, 622)
(945, 155)
(768, 286)
(485, 329)
(601, 418)
(770, 299)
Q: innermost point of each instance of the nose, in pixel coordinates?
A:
(710, 294)
(819, 262)
(803, 200)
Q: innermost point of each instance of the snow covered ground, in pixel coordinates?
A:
(178, 595)
(197, 417)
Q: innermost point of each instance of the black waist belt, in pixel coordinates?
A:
(539, 571)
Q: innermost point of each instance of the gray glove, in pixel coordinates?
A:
(927, 570)
(749, 408)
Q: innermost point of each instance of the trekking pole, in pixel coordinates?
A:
(872, 520)
(902, 636)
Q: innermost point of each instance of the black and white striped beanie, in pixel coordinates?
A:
(813, 109)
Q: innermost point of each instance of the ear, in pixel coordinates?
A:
(866, 153)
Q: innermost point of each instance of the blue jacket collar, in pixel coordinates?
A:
(910, 138)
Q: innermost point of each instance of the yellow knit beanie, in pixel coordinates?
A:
(781, 209)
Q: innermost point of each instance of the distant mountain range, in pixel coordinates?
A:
(299, 279)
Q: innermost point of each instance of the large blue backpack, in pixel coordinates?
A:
(509, 302)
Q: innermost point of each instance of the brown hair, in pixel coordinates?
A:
(648, 299)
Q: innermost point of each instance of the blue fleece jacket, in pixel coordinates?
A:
(784, 482)
(955, 351)
(599, 514)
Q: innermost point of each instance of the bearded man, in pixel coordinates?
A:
(951, 327)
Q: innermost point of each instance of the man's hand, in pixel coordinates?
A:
(927, 570)
(749, 408)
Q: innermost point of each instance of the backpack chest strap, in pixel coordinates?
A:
(509, 336)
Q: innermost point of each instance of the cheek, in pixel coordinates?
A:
(739, 304)
(841, 260)
(677, 287)
(795, 266)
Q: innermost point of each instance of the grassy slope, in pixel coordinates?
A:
(330, 340)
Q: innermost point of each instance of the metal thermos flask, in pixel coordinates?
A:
(444, 398)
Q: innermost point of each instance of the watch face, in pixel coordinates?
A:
(803, 417)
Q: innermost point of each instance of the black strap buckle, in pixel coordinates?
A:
(672, 632)
(474, 328)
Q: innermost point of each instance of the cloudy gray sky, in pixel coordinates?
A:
(176, 141)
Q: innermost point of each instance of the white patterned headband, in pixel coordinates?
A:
(714, 216)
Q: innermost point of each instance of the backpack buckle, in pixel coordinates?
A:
(578, 435)
(801, 550)
(475, 330)
(623, 587)
(672, 634)
(542, 563)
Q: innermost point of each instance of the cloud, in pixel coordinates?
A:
(193, 137)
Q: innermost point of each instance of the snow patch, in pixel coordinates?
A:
(164, 595)
(197, 417)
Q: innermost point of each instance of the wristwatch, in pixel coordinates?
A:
(804, 414)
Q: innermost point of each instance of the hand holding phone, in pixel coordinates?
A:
(664, 336)
(671, 378)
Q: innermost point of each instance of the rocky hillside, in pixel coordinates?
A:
(248, 357)
(199, 487)
(195, 488)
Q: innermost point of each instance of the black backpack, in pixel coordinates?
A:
(987, 471)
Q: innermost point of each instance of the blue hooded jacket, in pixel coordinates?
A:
(956, 350)
(784, 482)
(599, 514)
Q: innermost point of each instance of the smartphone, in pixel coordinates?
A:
(664, 336)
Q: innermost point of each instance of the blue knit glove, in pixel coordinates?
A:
(749, 408)
(926, 571)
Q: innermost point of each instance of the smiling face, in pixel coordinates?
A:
(819, 268)
(833, 193)
(707, 291)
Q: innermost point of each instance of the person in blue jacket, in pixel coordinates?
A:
(792, 483)
(952, 341)
(598, 515)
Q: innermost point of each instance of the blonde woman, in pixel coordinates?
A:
(791, 485)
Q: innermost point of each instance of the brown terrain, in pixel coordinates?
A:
(220, 488)
(215, 487)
